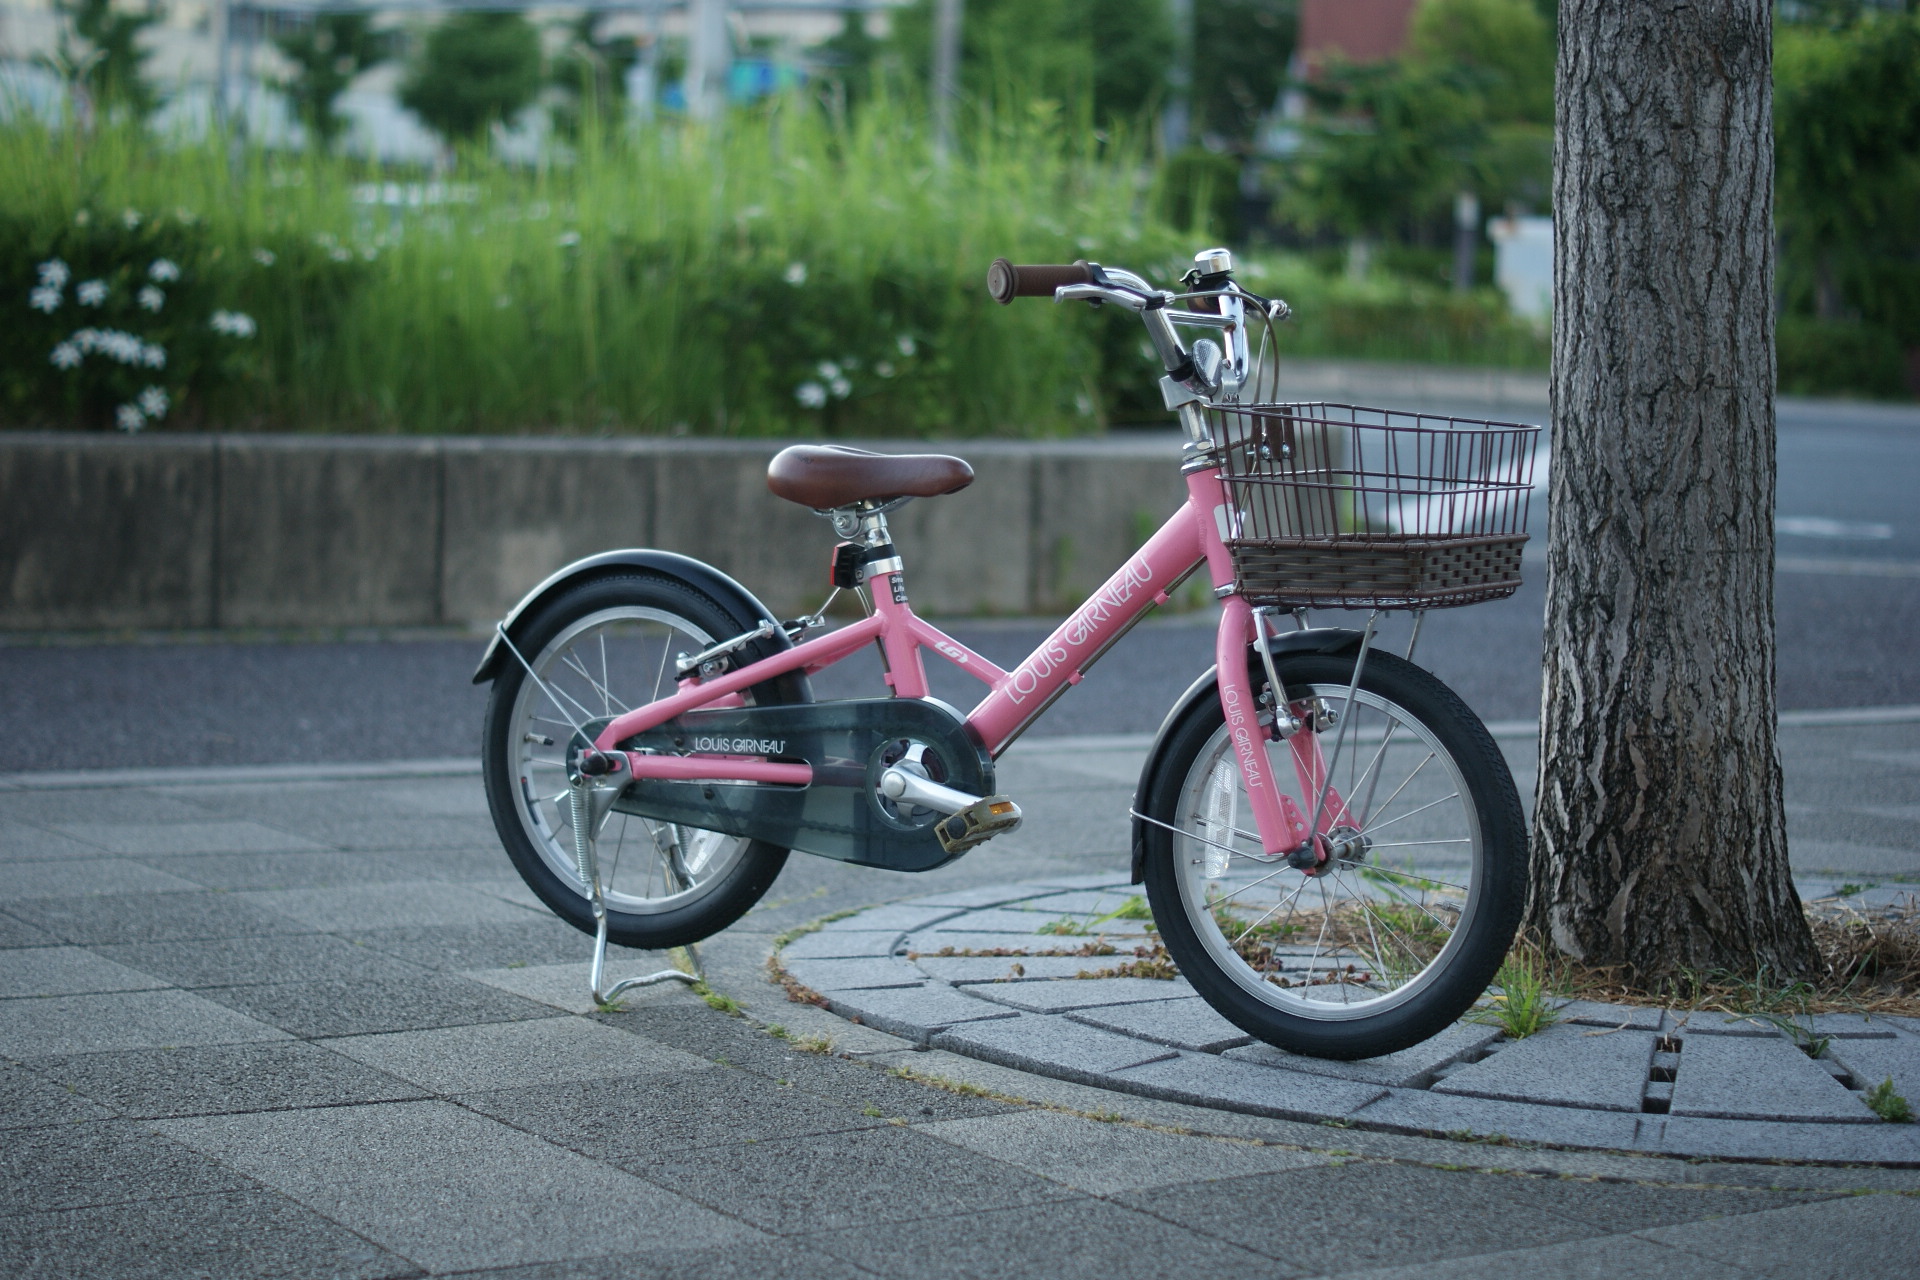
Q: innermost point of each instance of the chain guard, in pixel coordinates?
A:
(841, 815)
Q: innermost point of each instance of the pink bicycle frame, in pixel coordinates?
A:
(1016, 698)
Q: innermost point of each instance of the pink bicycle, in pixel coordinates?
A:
(1331, 843)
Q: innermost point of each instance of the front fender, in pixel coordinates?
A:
(1312, 640)
(731, 596)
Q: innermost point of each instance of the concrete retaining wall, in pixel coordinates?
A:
(169, 532)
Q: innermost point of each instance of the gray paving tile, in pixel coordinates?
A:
(1206, 1080)
(1012, 944)
(1101, 1158)
(914, 1013)
(854, 975)
(1410, 1068)
(252, 871)
(542, 939)
(1841, 1239)
(1020, 923)
(398, 832)
(1872, 1061)
(237, 962)
(1083, 993)
(1593, 1013)
(159, 838)
(1853, 1026)
(105, 1023)
(347, 1008)
(1876, 1143)
(1070, 1240)
(787, 1259)
(217, 1079)
(24, 841)
(1566, 1065)
(105, 1162)
(969, 970)
(1361, 1215)
(164, 917)
(84, 877)
(111, 805)
(387, 906)
(381, 1171)
(1708, 1022)
(28, 1099)
(1092, 902)
(1600, 1258)
(895, 917)
(991, 895)
(1738, 1077)
(196, 1235)
(502, 1055)
(638, 1122)
(15, 932)
(1444, 1115)
(60, 971)
(827, 1182)
(1181, 1024)
(841, 944)
(1051, 1046)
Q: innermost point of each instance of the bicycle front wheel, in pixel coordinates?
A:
(1405, 926)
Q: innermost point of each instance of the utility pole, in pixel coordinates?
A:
(1176, 122)
(946, 74)
(709, 59)
(223, 53)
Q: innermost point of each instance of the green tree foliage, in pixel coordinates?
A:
(1112, 53)
(1504, 42)
(326, 58)
(590, 72)
(847, 58)
(1847, 144)
(103, 58)
(1241, 52)
(476, 69)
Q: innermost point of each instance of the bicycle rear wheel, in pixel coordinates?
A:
(1396, 935)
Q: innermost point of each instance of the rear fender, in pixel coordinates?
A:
(739, 603)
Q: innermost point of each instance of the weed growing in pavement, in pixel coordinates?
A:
(1066, 927)
(814, 1044)
(1526, 1003)
(725, 1004)
(1887, 1104)
(872, 1111)
(1134, 908)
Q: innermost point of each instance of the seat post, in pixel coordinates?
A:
(866, 523)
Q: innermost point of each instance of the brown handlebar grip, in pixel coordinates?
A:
(1007, 282)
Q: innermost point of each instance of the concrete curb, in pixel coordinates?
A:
(1605, 1077)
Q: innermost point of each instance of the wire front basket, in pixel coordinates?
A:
(1333, 506)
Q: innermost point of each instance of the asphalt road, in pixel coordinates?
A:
(1848, 605)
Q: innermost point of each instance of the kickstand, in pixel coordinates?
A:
(587, 807)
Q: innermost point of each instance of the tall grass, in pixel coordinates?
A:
(790, 271)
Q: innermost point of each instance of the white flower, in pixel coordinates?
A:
(884, 368)
(152, 299)
(92, 293)
(264, 257)
(828, 370)
(163, 270)
(568, 239)
(796, 273)
(906, 344)
(811, 395)
(131, 217)
(66, 356)
(234, 324)
(841, 388)
(369, 252)
(128, 418)
(86, 339)
(44, 299)
(153, 357)
(153, 403)
(340, 254)
(54, 274)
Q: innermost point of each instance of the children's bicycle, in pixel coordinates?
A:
(1330, 840)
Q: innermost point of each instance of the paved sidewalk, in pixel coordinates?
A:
(310, 1024)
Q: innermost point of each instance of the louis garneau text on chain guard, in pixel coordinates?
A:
(849, 744)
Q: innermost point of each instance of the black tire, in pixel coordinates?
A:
(1407, 942)
(622, 632)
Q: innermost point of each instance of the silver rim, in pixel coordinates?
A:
(1383, 922)
(600, 666)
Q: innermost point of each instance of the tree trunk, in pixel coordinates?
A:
(1659, 839)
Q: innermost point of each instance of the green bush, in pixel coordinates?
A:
(1829, 357)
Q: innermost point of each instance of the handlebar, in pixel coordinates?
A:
(1005, 281)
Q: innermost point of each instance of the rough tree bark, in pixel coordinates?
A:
(1659, 838)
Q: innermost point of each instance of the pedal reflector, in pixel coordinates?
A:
(978, 823)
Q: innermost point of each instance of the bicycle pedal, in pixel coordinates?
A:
(978, 823)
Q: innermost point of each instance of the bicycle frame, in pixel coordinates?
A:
(1016, 698)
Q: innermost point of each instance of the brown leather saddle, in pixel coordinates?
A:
(822, 476)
